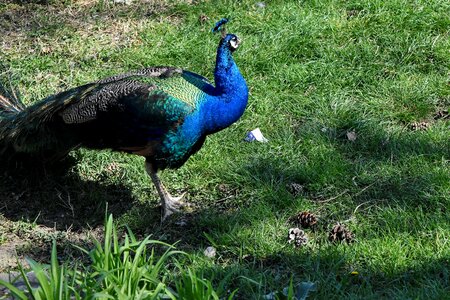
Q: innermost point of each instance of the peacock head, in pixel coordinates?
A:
(230, 41)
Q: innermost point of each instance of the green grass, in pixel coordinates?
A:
(316, 71)
(118, 270)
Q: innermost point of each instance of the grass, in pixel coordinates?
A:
(317, 70)
(118, 270)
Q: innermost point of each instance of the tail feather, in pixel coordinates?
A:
(7, 105)
(38, 130)
(10, 102)
(31, 132)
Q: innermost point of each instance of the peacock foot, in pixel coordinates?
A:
(171, 205)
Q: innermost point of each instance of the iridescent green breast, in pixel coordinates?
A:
(179, 86)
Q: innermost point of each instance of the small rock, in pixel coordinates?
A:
(271, 296)
(182, 222)
(351, 135)
(16, 280)
(304, 288)
(210, 252)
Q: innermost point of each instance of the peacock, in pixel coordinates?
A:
(161, 113)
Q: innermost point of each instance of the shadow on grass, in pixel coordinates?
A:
(57, 197)
(334, 281)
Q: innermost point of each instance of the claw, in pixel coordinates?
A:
(179, 198)
(171, 205)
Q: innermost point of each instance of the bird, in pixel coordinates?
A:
(163, 114)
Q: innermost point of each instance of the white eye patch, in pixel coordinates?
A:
(234, 44)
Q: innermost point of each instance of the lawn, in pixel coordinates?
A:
(353, 97)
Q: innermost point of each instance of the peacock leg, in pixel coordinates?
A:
(169, 204)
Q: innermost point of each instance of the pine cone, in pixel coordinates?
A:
(295, 189)
(305, 219)
(441, 114)
(339, 233)
(419, 126)
(298, 237)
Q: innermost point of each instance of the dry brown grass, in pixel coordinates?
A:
(43, 29)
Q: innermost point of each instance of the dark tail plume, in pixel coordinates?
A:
(10, 102)
(14, 119)
(37, 131)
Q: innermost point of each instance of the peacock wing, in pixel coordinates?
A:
(182, 85)
(135, 111)
(175, 88)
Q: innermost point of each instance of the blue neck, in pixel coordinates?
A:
(230, 97)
